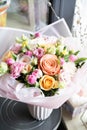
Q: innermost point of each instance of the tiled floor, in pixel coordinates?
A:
(18, 21)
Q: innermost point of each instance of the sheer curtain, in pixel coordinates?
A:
(79, 28)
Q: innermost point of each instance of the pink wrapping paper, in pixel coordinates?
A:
(12, 89)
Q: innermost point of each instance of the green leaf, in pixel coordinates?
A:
(71, 52)
(32, 36)
(76, 53)
(80, 60)
(50, 92)
(23, 50)
(3, 68)
(24, 38)
(66, 58)
(28, 47)
(64, 48)
(18, 40)
(14, 56)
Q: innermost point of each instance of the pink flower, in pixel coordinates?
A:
(72, 58)
(29, 53)
(31, 79)
(62, 61)
(37, 73)
(39, 52)
(16, 69)
(10, 61)
(37, 35)
(16, 48)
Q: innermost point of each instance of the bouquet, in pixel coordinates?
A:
(41, 70)
(41, 62)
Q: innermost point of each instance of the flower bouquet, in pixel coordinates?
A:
(41, 71)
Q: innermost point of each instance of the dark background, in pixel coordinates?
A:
(64, 9)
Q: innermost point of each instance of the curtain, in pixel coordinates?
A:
(79, 27)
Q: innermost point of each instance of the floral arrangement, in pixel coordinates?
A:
(42, 62)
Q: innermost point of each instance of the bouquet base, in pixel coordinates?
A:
(39, 113)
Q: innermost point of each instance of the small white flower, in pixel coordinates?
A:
(69, 67)
(67, 72)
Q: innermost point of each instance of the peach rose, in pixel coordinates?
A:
(47, 82)
(49, 64)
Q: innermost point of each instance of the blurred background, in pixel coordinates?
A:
(35, 14)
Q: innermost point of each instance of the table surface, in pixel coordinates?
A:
(15, 116)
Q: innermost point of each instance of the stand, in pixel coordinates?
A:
(15, 115)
